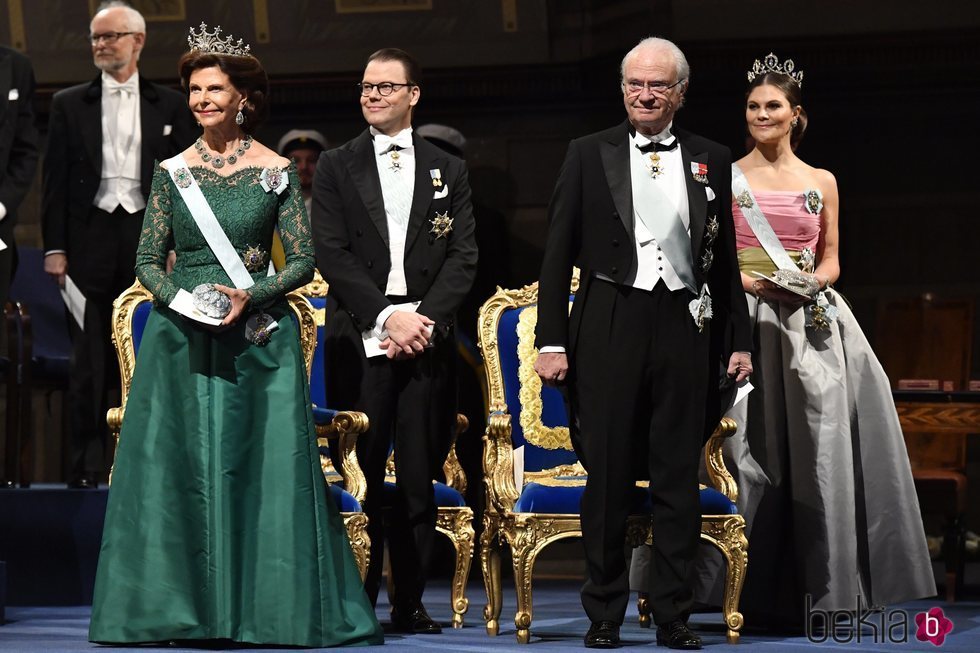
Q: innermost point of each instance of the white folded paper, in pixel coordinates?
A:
(372, 342)
(183, 303)
(742, 391)
(75, 301)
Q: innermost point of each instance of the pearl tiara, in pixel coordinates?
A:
(210, 42)
(771, 65)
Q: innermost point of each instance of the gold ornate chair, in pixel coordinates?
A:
(129, 314)
(534, 481)
(454, 518)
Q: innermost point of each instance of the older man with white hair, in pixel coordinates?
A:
(644, 210)
(103, 138)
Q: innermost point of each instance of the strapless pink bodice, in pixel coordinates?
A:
(786, 211)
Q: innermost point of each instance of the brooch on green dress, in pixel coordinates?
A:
(183, 178)
(442, 225)
(273, 180)
(259, 328)
(813, 200)
(255, 258)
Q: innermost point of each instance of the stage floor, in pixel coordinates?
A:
(559, 624)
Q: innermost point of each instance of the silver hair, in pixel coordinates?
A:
(657, 43)
(134, 19)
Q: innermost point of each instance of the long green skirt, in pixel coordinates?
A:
(218, 524)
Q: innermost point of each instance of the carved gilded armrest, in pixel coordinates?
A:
(345, 426)
(455, 476)
(721, 479)
(114, 418)
(498, 461)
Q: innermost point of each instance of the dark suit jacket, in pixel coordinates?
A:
(350, 233)
(591, 226)
(73, 156)
(18, 136)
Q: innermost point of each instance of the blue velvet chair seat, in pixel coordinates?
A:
(446, 497)
(345, 500)
(565, 500)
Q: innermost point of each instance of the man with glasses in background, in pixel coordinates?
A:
(103, 138)
(394, 235)
(644, 210)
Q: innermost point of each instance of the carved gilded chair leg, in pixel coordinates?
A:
(490, 564)
(523, 554)
(360, 543)
(645, 610)
(464, 558)
(735, 550)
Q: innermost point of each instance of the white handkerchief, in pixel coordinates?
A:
(75, 301)
(3, 245)
(710, 193)
(167, 130)
(372, 343)
(14, 94)
(439, 194)
(183, 303)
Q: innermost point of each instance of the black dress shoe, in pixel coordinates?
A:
(676, 634)
(602, 634)
(82, 483)
(414, 620)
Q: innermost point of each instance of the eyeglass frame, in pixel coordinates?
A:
(649, 86)
(366, 88)
(108, 37)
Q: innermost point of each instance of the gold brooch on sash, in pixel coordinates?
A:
(744, 199)
(442, 224)
(255, 258)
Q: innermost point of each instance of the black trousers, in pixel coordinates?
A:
(411, 406)
(637, 393)
(101, 262)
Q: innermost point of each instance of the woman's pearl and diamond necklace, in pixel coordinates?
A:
(218, 161)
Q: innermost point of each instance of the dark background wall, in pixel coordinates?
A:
(892, 89)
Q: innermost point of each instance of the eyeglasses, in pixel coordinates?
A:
(108, 37)
(384, 88)
(635, 87)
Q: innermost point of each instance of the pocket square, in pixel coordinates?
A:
(710, 193)
(13, 94)
(167, 130)
(439, 194)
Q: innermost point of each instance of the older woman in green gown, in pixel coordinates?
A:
(219, 525)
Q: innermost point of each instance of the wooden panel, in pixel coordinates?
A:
(926, 338)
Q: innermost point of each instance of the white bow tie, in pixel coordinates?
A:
(130, 86)
(401, 140)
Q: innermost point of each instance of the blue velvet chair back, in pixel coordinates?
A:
(539, 420)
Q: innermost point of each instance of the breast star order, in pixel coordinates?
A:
(442, 224)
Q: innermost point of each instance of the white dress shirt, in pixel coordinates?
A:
(397, 190)
(651, 265)
(121, 145)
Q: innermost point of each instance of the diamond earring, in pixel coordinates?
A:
(793, 124)
(239, 118)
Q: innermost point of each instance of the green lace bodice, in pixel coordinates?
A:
(247, 213)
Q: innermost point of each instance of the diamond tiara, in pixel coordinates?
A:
(771, 65)
(210, 42)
